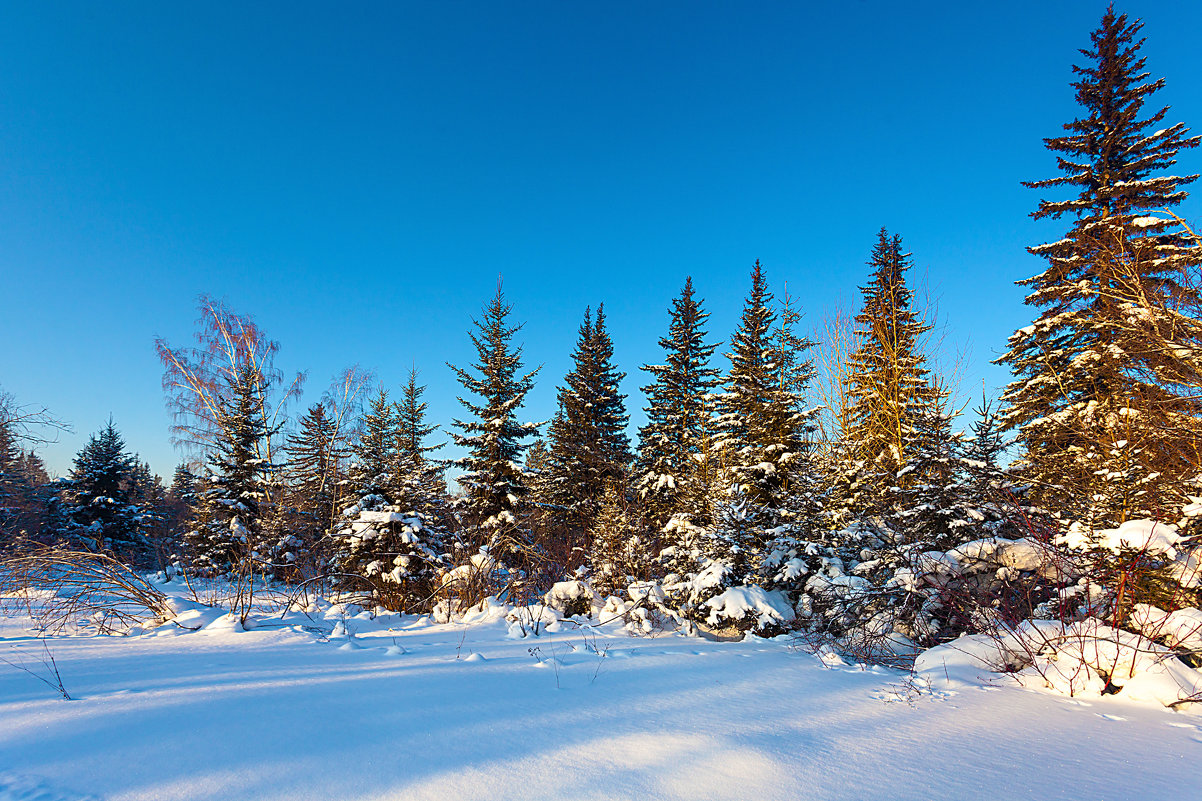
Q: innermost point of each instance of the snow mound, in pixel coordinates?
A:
(749, 602)
(1087, 658)
(573, 598)
(1149, 536)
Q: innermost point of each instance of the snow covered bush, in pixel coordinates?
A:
(573, 598)
(397, 555)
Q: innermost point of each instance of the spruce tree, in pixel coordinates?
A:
(1100, 421)
(493, 483)
(313, 457)
(588, 442)
(100, 513)
(419, 480)
(229, 532)
(616, 553)
(375, 450)
(14, 489)
(762, 421)
(892, 398)
(672, 475)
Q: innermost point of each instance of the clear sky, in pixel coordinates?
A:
(356, 175)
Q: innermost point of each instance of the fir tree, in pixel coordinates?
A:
(891, 396)
(100, 513)
(616, 553)
(493, 484)
(763, 425)
(588, 442)
(375, 450)
(314, 454)
(672, 475)
(420, 483)
(229, 531)
(14, 488)
(1101, 424)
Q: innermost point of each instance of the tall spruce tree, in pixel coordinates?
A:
(100, 513)
(228, 535)
(892, 399)
(671, 473)
(1101, 420)
(313, 458)
(761, 423)
(419, 480)
(375, 450)
(493, 483)
(588, 443)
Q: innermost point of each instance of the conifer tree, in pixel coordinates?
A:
(892, 399)
(671, 473)
(374, 451)
(420, 483)
(762, 422)
(100, 513)
(1101, 424)
(229, 531)
(588, 442)
(493, 483)
(616, 551)
(314, 454)
(14, 488)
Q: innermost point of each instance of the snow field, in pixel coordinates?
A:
(343, 706)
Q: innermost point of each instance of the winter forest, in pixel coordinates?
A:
(815, 511)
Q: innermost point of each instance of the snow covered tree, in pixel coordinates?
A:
(672, 473)
(313, 458)
(493, 482)
(588, 442)
(418, 480)
(229, 532)
(617, 552)
(395, 555)
(891, 395)
(763, 425)
(1100, 420)
(374, 451)
(26, 492)
(15, 489)
(100, 513)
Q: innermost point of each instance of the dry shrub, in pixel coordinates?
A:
(62, 588)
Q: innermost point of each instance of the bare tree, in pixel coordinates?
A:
(196, 378)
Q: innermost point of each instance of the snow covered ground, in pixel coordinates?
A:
(405, 708)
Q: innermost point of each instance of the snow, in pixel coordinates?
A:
(338, 703)
(1139, 535)
(767, 608)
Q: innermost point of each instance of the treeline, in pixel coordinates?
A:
(818, 477)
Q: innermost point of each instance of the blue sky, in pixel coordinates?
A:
(356, 176)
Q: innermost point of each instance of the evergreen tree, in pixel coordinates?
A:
(182, 503)
(588, 442)
(229, 532)
(997, 507)
(14, 488)
(493, 484)
(1101, 421)
(314, 454)
(617, 554)
(420, 483)
(100, 513)
(763, 425)
(672, 473)
(892, 399)
(375, 451)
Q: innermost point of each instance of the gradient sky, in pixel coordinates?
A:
(356, 175)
